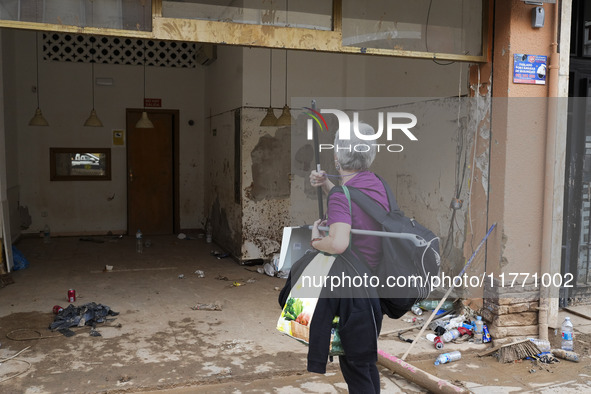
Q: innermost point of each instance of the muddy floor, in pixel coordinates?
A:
(159, 342)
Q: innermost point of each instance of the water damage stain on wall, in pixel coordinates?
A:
(271, 167)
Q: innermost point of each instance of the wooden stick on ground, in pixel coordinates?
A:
(417, 376)
(448, 292)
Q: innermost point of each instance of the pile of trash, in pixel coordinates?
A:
(448, 327)
(77, 316)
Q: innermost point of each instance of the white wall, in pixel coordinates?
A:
(66, 99)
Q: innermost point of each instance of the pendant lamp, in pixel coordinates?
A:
(270, 119)
(285, 118)
(38, 119)
(93, 120)
(144, 122)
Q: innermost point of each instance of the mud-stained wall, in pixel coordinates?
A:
(220, 182)
(425, 175)
(223, 100)
(266, 185)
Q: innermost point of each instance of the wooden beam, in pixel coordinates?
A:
(228, 33)
(75, 29)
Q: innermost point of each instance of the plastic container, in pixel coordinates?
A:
(543, 345)
(568, 335)
(486, 338)
(139, 244)
(430, 305)
(451, 335)
(416, 309)
(448, 357)
(46, 234)
(478, 330)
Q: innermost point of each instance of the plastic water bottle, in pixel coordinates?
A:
(478, 329)
(568, 335)
(448, 357)
(139, 244)
(46, 234)
(451, 335)
(543, 345)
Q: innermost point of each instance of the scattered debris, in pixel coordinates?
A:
(92, 239)
(207, 307)
(73, 316)
(251, 280)
(219, 255)
(182, 276)
(124, 379)
(181, 236)
(566, 355)
(548, 359)
(108, 268)
(236, 284)
(277, 288)
(253, 262)
(220, 277)
(200, 274)
(269, 269)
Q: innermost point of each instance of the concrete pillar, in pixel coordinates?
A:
(517, 173)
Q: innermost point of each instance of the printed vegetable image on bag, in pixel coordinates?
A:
(296, 316)
(295, 321)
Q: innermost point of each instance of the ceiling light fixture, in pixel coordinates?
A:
(270, 119)
(93, 120)
(285, 118)
(38, 119)
(144, 122)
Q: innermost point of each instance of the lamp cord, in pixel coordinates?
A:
(287, 25)
(37, 58)
(92, 51)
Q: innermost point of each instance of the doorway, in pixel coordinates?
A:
(152, 173)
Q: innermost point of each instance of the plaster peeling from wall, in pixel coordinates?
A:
(482, 165)
(271, 167)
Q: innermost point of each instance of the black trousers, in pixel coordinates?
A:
(362, 378)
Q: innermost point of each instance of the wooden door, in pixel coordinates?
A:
(152, 165)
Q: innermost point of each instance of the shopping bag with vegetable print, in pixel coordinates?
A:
(296, 316)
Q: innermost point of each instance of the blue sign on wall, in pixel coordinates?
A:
(529, 69)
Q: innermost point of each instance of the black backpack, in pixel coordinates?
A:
(406, 269)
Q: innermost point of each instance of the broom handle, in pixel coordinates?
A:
(448, 292)
(317, 157)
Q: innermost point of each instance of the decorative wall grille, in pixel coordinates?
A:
(66, 47)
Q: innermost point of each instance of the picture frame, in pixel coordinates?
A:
(80, 164)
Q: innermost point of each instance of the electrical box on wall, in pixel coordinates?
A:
(537, 17)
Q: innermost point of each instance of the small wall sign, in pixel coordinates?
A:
(530, 69)
(153, 102)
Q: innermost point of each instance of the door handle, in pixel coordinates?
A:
(130, 175)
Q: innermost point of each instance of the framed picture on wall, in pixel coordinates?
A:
(80, 164)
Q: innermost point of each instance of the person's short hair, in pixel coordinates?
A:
(355, 154)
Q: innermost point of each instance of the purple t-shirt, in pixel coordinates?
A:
(370, 247)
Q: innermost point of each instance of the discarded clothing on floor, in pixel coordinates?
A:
(85, 315)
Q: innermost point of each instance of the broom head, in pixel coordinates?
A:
(517, 351)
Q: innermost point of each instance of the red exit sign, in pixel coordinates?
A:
(153, 102)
